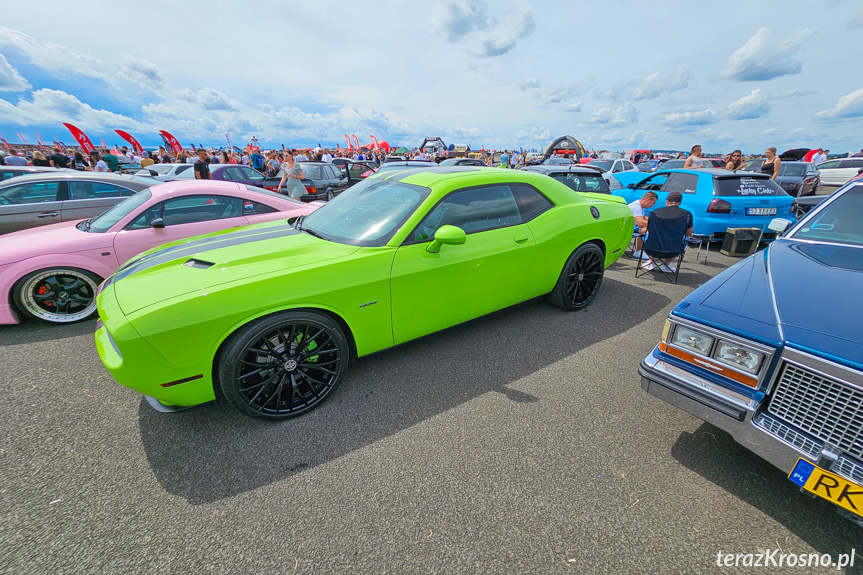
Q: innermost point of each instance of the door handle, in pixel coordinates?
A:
(48, 215)
(520, 239)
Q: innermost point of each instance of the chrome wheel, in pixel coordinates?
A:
(59, 295)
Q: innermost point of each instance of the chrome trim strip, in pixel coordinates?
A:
(825, 243)
(773, 296)
(716, 391)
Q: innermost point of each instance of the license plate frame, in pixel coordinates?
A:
(761, 211)
(825, 484)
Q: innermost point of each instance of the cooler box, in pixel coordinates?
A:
(740, 242)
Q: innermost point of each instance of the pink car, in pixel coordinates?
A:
(52, 272)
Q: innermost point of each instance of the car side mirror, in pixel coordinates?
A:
(157, 223)
(450, 235)
(778, 225)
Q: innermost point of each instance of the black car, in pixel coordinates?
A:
(323, 181)
(798, 178)
(581, 178)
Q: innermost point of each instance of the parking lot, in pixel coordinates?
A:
(517, 443)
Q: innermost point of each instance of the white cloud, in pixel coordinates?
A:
(770, 132)
(848, 106)
(529, 83)
(55, 58)
(10, 79)
(519, 24)
(856, 23)
(575, 107)
(533, 136)
(620, 116)
(142, 72)
(652, 86)
(755, 105)
(763, 57)
(55, 106)
(795, 93)
(691, 118)
(457, 19)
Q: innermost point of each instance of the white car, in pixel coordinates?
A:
(838, 172)
(610, 167)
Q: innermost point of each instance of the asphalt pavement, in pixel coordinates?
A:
(520, 442)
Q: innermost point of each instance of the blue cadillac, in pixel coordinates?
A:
(771, 351)
(718, 199)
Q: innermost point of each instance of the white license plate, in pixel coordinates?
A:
(760, 211)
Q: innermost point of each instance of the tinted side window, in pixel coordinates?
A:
(252, 174)
(531, 203)
(851, 164)
(30, 193)
(746, 187)
(233, 174)
(191, 209)
(832, 164)
(473, 210)
(683, 183)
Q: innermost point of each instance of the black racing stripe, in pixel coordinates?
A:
(206, 244)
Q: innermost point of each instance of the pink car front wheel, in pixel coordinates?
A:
(57, 295)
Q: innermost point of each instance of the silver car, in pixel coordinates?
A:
(37, 200)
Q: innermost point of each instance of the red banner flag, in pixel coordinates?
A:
(5, 143)
(104, 145)
(375, 142)
(129, 138)
(348, 140)
(175, 144)
(23, 141)
(356, 141)
(41, 143)
(80, 137)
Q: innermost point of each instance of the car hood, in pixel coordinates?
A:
(215, 259)
(811, 286)
(59, 238)
(626, 178)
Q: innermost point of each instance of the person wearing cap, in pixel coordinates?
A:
(671, 211)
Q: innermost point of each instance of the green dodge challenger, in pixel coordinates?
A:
(272, 314)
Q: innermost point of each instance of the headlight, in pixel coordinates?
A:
(738, 357)
(690, 339)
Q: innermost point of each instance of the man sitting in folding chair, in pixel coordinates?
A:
(667, 229)
(638, 207)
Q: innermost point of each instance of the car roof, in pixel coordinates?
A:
(76, 175)
(714, 172)
(573, 168)
(175, 186)
(430, 177)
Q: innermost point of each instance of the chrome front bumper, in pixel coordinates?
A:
(721, 407)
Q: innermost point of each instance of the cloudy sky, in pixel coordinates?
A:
(502, 73)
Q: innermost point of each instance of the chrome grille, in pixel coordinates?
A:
(788, 435)
(823, 407)
(850, 469)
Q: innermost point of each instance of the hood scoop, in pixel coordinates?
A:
(196, 263)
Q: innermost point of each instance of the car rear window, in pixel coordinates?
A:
(604, 164)
(583, 182)
(792, 170)
(746, 186)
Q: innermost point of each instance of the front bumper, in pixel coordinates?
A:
(733, 413)
(135, 364)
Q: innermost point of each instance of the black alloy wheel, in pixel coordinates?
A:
(284, 364)
(580, 279)
(57, 295)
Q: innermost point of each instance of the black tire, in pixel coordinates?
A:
(330, 195)
(580, 279)
(57, 295)
(263, 375)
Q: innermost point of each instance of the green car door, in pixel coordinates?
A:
(435, 286)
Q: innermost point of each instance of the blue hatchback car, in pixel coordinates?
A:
(718, 199)
(771, 351)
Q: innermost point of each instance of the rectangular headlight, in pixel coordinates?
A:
(738, 357)
(692, 340)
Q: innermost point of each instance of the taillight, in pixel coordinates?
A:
(312, 189)
(718, 206)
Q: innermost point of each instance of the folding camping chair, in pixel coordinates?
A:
(666, 239)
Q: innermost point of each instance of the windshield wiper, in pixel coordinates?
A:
(314, 233)
(298, 223)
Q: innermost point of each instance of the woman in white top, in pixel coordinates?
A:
(694, 160)
(97, 162)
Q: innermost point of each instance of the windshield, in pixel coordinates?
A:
(841, 221)
(161, 169)
(792, 170)
(367, 214)
(103, 223)
(583, 182)
(604, 164)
